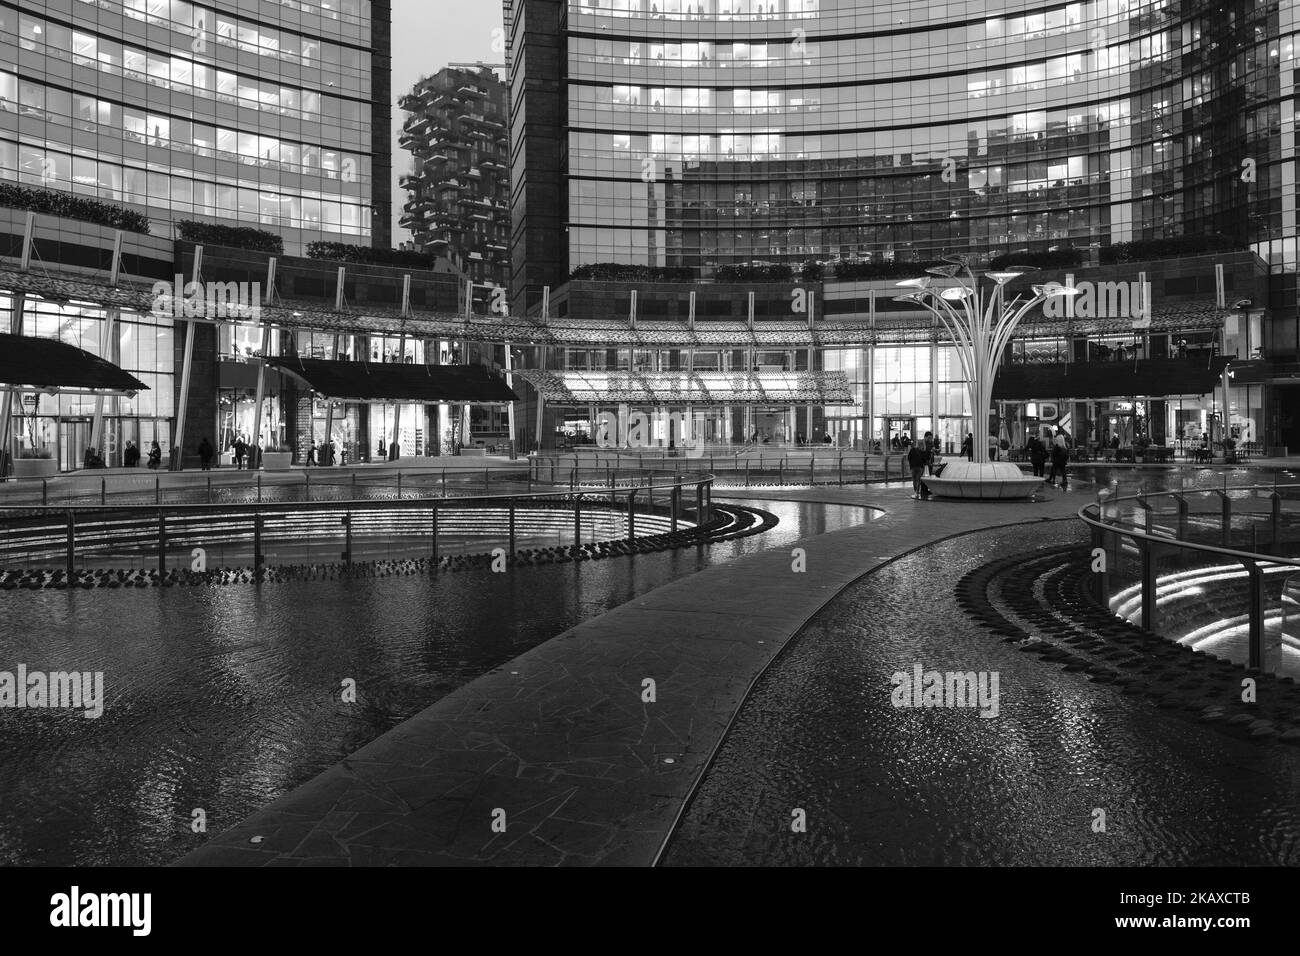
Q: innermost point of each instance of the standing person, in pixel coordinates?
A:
(131, 456)
(241, 449)
(205, 454)
(329, 455)
(155, 456)
(1037, 454)
(931, 452)
(917, 458)
(383, 450)
(1060, 459)
(968, 446)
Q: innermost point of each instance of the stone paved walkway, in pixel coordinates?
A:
(555, 758)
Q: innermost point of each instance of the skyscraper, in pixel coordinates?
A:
(458, 192)
(267, 115)
(702, 133)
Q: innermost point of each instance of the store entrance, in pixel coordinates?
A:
(74, 439)
(894, 429)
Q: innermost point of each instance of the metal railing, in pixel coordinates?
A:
(1210, 567)
(758, 468)
(170, 536)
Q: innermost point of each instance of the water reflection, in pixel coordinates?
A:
(888, 786)
(223, 698)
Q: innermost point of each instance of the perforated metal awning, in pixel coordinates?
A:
(48, 365)
(693, 388)
(397, 382)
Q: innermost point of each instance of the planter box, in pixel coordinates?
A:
(277, 460)
(35, 467)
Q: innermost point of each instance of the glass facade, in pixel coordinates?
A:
(62, 424)
(252, 114)
(719, 132)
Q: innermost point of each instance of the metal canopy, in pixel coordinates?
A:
(397, 382)
(775, 387)
(48, 365)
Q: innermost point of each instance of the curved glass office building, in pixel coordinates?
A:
(706, 132)
(273, 115)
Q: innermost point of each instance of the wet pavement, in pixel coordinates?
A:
(225, 697)
(884, 785)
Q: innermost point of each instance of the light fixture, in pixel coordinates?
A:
(1002, 278)
(1054, 288)
(956, 294)
(921, 283)
(946, 272)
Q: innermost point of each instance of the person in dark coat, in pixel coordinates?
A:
(917, 458)
(205, 454)
(241, 449)
(1037, 455)
(1060, 459)
(131, 456)
(155, 456)
(968, 446)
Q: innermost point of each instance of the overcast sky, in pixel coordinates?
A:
(428, 35)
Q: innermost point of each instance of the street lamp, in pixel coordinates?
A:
(979, 329)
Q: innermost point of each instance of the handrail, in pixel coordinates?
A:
(558, 493)
(1098, 521)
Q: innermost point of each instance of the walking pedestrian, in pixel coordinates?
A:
(968, 446)
(241, 449)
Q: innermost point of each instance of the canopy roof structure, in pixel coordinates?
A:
(377, 382)
(773, 387)
(1093, 380)
(48, 365)
(827, 332)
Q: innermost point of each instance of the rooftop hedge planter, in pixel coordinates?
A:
(51, 202)
(342, 252)
(1174, 248)
(238, 237)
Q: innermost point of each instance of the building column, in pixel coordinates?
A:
(869, 424)
(7, 438)
(934, 389)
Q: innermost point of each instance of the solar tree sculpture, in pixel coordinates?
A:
(980, 330)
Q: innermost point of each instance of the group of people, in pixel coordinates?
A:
(1056, 449)
(131, 456)
(323, 453)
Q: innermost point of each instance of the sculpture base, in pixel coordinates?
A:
(994, 479)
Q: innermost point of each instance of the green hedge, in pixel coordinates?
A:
(1055, 259)
(849, 269)
(1169, 248)
(240, 237)
(68, 206)
(773, 273)
(342, 252)
(621, 272)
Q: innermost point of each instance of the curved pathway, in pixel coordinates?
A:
(559, 757)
